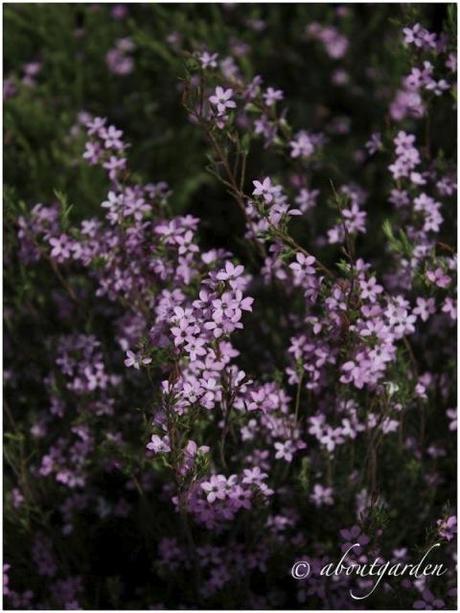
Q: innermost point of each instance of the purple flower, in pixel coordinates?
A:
(215, 488)
(302, 145)
(447, 528)
(159, 444)
(61, 248)
(135, 361)
(271, 96)
(452, 415)
(438, 277)
(208, 60)
(322, 496)
(265, 189)
(222, 100)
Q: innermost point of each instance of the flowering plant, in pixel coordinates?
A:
(206, 382)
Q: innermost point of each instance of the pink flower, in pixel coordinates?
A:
(215, 488)
(158, 444)
(134, 360)
(265, 189)
(222, 100)
(302, 145)
(322, 495)
(208, 60)
(438, 277)
(271, 96)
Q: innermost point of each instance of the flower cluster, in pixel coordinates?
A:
(105, 147)
(334, 42)
(119, 59)
(409, 99)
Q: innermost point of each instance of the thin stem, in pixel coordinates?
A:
(297, 398)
